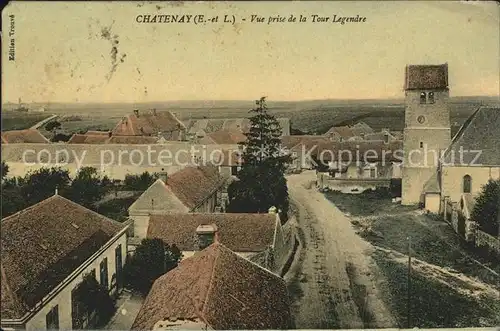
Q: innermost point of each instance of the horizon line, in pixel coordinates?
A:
(236, 100)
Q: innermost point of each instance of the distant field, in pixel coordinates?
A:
(308, 116)
(20, 120)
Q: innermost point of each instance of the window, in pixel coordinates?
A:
(421, 144)
(104, 272)
(431, 97)
(467, 184)
(92, 272)
(373, 173)
(423, 97)
(234, 170)
(52, 319)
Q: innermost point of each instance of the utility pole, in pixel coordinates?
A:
(409, 284)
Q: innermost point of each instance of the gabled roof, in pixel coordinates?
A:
(42, 245)
(88, 139)
(291, 141)
(225, 137)
(221, 289)
(361, 128)
(478, 138)
(28, 136)
(191, 185)
(342, 131)
(426, 77)
(148, 123)
(240, 232)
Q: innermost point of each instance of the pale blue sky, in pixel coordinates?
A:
(61, 56)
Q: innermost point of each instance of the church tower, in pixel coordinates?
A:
(427, 130)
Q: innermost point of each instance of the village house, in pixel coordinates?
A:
(201, 127)
(194, 189)
(28, 136)
(47, 249)
(223, 137)
(153, 123)
(302, 152)
(353, 166)
(258, 237)
(208, 290)
(108, 138)
(355, 132)
(229, 162)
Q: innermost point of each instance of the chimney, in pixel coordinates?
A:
(57, 191)
(273, 210)
(206, 235)
(136, 112)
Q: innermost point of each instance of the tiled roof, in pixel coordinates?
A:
(42, 245)
(149, 123)
(426, 77)
(309, 143)
(88, 139)
(361, 128)
(363, 151)
(225, 137)
(28, 136)
(342, 131)
(221, 289)
(193, 185)
(479, 137)
(378, 136)
(230, 124)
(240, 232)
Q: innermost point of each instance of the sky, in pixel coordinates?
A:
(63, 50)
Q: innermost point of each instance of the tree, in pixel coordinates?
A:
(151, 259)
(4, 169)
(40, 184)
(486, 209)
(94, 297)
(262, 182)
(140, 182)
(52, 126)
(87, 187)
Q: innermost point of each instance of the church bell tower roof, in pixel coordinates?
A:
(421, 77)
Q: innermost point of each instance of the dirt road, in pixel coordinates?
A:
(335, 276)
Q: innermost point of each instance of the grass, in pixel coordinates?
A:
(434, 304)
(20, 120)
(368, 203)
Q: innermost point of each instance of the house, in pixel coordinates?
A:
(355, 132)
(192, 189)
(223, 137)
(28, 136)
(229, 162)
(216, 289)
(352, 166)
(242, 125)
(258, 237)
(47, 249)
(302, 153)
(160, 124)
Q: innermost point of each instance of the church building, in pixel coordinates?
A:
(437, 168)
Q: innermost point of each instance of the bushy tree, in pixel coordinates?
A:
(94, 297)
(40, 184)
(53, 126)
(140, 182)
(87, 187)
(261, 183)
(151, 259)
(486, 209)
